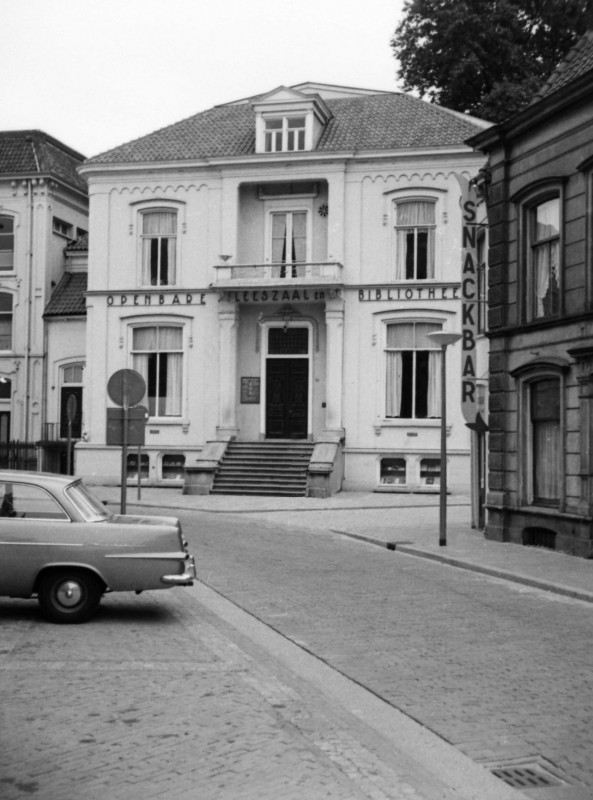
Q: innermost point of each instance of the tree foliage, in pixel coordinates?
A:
(485, 57)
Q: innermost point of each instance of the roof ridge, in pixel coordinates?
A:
(377, 121)
(40, 135)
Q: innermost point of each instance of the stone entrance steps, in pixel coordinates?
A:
(264, 468)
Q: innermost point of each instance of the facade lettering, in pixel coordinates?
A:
(280, 295)
(163, 299)
(469, 292)
(409, 293)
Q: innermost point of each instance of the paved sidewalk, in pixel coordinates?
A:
(406, 522)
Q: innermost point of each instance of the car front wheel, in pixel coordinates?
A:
(69, 595)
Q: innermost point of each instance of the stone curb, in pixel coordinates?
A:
(515, 577)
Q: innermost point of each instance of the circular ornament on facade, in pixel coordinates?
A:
(323, 210)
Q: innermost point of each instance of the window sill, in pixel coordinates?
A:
(399, 422)
(386, 488)
(414, 426)
(157, 422)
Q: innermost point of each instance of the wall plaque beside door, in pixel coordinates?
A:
(250, 388)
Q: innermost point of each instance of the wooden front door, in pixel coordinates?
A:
(287, 398)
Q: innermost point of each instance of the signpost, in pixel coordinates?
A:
(126, 388)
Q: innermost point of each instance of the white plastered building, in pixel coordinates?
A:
(272, 268)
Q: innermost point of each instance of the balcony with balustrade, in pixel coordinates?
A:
(317, 274)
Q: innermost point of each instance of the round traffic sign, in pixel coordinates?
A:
(126, 387)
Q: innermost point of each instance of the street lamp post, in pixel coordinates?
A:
(443, 340)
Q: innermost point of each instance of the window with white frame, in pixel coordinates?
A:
(284, 134)
(415, 225)
(159, 247)
(5, 321)
(543, 253)
(544, 441)
(412, 371)
(6, 243)
(289, 241)
(157, 354)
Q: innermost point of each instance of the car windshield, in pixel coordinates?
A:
(89, 506)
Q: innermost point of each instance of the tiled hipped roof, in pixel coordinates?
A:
(34, 153)
(68, 298)
(81, 244)
(372, 122)
(578, 62)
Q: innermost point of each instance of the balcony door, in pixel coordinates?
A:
(289, 243)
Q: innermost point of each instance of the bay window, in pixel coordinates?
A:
(412, 371)
(159, 247)
(157, 354)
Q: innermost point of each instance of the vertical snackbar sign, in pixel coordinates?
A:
(469, 300)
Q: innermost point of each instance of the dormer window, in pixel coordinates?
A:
(285, 134)
(289, 121)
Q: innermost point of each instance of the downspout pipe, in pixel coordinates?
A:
(29, 301)
(32, 183)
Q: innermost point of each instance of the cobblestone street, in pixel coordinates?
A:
(317, 691)
(500, 670)
(157, 698)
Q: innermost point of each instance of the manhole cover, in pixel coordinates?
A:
(530, 776)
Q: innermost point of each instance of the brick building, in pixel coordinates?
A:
(540, 207)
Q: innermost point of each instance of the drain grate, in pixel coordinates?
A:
(530, 776)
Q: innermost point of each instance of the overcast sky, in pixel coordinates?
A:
(97, 73)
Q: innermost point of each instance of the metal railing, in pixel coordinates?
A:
(56, 432)
(18, 455)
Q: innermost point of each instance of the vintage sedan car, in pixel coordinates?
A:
(60, 543)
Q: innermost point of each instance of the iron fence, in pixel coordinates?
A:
(18, 455)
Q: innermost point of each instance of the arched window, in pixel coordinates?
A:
(159, 247)
(415, 224)
(544, 440)
(543, 253)
(541, 424)
(412, 371)
(157, 354)
(539, 213)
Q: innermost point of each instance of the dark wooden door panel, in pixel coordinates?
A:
(287, 398)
